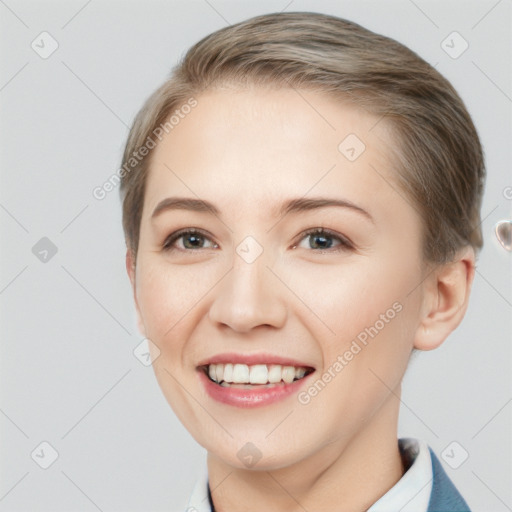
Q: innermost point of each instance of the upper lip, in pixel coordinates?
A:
(253, 359)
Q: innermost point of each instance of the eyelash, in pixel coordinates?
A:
(169, 241)
(344, 243)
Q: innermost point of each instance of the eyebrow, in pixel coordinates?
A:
(291, 206)
(305, 204)
(184, 203)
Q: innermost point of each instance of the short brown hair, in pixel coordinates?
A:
(439, 156)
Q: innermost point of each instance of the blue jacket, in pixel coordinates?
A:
(444, 496)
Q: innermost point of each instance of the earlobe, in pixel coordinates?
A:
(446, 300)
(130, 269)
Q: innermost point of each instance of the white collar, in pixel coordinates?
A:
(410, 494)
(199, 501)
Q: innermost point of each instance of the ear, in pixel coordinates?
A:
(446, 298)
(130, 269)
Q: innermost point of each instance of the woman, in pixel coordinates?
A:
(301, 209)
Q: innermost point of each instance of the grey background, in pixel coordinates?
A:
(68, 374)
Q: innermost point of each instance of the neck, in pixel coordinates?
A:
(347, 475)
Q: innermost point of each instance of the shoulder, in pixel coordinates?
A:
(444, 497)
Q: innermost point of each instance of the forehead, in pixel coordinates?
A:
(242, 148)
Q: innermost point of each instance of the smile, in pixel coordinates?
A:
(247, 385)
(229, 374)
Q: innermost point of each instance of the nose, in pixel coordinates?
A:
(250, 295)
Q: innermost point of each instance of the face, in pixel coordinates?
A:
(278, 273)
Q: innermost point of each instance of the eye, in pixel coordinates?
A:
(191, 239)
(321, 239)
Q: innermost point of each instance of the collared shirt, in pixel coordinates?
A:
(410, 494)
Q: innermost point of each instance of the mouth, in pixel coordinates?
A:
(252, 380)
(244, 376)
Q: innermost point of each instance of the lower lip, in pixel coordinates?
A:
(258, 396)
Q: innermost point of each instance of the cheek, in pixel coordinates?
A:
(368, 321)
(170, 297)
(346, 299)
(363, 363)
(169, 300)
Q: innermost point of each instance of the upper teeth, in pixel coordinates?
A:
(255, 374)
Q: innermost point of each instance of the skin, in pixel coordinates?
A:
(247, 152)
